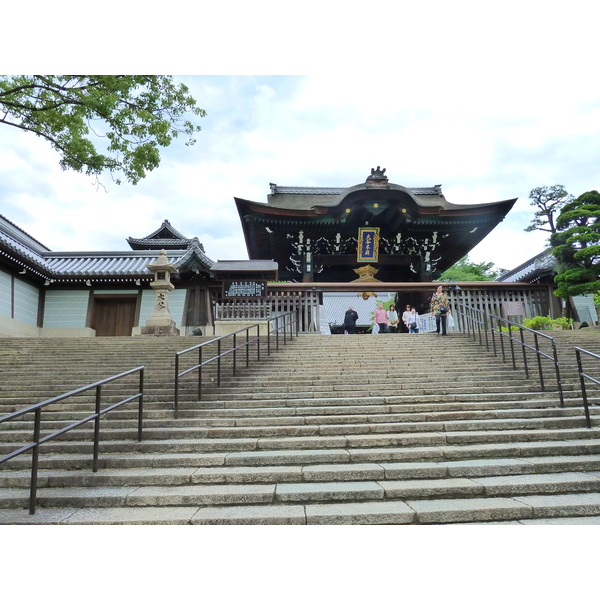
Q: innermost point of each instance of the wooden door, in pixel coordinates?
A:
(114, 316)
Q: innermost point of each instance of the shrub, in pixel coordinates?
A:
(538, 323)
(563, 322)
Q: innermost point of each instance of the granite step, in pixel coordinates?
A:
(178, 455)
(341, 503)
(409, 474)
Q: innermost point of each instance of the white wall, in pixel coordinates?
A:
(27, 299)
(19, 302)
(66, 308)
(5, 294)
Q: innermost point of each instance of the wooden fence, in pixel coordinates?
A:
(514, 300)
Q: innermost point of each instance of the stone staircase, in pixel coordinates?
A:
(366, 429)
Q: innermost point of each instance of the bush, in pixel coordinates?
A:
(563, 322)
(538, 323)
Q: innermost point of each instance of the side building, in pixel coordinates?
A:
(50, 294)
(541, 269)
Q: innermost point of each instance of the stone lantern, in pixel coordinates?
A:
(160, 321)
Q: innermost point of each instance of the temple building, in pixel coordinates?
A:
(373, 233)
(326, 234)
(110, 293)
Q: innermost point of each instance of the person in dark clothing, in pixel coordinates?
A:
(350, 319)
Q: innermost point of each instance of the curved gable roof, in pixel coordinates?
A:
(24, 252)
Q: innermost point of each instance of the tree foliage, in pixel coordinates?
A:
(576, 246)
(101, 123)
(549, 200)
(465, 270)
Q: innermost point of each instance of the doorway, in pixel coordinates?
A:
(114, 316)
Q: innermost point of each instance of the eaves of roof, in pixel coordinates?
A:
(542, 262)
(97, 264)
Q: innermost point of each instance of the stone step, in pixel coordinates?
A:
(170, 431)
(77, 441)
(410, 416)
(340, 503)
(215, 455)
(334, 406)
(357, 443)
(407, 473)
(307, 492)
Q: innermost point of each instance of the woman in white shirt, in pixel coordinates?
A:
(405, 316)
(412, 323)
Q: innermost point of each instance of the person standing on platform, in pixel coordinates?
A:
(393, 320)
(350, 319)
(440, 309)
(405, 316)
(380, 318)
(412, 322)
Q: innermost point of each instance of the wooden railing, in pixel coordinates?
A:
(305, 299)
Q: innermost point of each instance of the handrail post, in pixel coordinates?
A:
(485, 327)
(141, 406)
(200, 374)
(539, 360)
(234, 351)
(35, 460)
(558, 379)
(583, 390)
(494, 337)
(525, 364)
(269, 338)
(97, 429)
(501, 341)
(219, 363)
(176, 397)
(248, 348)
(258, 340)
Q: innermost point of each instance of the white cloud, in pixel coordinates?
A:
(489, 100)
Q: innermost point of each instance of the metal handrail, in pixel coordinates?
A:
(474, 321)
(290, 321)
(582, 378)
(34, 446)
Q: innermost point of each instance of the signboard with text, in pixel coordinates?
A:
(244, 289)
(368, 244)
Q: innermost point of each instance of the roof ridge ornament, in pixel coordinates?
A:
(377, 178)
(377, 174)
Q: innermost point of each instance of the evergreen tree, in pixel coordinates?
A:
(576, 246)
(549, 200)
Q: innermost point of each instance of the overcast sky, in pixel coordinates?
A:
(488, 100)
